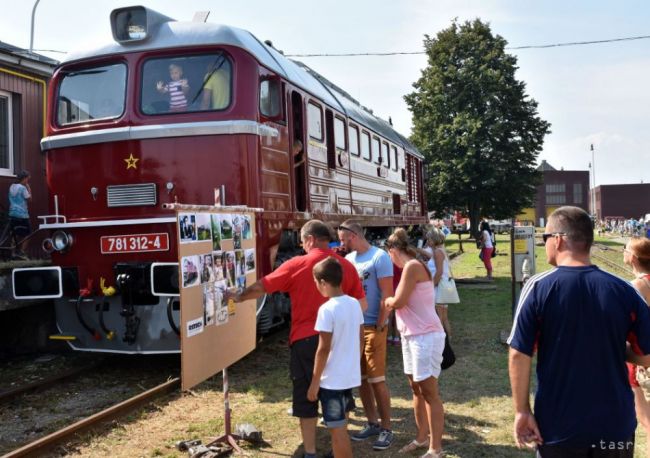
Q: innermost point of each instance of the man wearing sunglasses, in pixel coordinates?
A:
(579, 319)
(376, 274)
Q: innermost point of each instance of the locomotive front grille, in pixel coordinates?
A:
(131, 195)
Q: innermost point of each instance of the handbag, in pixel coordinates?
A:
(643, 377)
(447, 292)
(448, 355)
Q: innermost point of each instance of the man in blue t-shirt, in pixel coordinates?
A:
(376, 274)
(578, 318)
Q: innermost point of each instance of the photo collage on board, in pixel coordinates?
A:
(225, 267)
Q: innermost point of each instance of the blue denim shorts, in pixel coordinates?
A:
(335, 404)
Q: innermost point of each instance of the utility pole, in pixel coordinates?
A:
(31, 35)
(593, 189)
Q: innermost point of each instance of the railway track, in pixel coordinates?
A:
(13, 393)
(45, 444)
(618, 266)
(36, 415)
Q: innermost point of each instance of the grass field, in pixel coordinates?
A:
(475, 391)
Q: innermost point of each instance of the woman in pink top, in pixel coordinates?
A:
(423, 340)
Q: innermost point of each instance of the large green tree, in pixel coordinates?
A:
(479, 131)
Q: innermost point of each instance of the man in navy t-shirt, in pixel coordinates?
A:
(579, 319)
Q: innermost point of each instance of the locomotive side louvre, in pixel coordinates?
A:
(110, 169)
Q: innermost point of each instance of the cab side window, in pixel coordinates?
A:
(315, 121)
(271, 98)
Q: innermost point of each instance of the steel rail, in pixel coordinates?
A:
(612, 264)
(44, 444)
(45, 383)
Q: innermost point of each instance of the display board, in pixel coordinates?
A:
(216, 254)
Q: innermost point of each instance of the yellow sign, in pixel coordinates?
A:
(521, 246)
(131, 162)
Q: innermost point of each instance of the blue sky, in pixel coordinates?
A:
(590, 94)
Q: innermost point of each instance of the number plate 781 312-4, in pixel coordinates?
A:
(134, 243)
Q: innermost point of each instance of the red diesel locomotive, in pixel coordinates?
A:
(168, 112)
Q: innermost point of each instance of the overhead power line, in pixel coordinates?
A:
(578, 43)
(405, 53)
(552, 45)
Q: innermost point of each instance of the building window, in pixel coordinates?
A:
(353, 132)
(555, 188)
(577, 193)
(315, 120)
(6, 135)
(555, 199)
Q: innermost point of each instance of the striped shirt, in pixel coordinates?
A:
(177, 98)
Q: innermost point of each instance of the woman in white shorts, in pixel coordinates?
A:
(423, 340)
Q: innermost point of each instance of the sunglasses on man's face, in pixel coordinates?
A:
(548, 235)
(343, 228)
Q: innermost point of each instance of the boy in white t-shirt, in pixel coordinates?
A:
(337, 367)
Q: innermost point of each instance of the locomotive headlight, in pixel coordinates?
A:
(135, 24)
(129, 24)
(61, 240)
(47, 246)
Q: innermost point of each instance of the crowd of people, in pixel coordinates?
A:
(626, 227)
(583, 324)
(341, 308)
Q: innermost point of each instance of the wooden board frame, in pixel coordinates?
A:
(209, 345)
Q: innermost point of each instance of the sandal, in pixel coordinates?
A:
(433, 454)
(414, 445)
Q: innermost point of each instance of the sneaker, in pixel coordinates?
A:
(384, 440)
(369, 430)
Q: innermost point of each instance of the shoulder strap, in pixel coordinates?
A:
(451, 274)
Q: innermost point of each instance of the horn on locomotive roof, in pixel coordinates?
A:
(134, 24)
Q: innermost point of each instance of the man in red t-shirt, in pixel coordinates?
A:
(295, 277)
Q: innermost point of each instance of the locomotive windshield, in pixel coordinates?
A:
(186, 84)
(91, 93)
